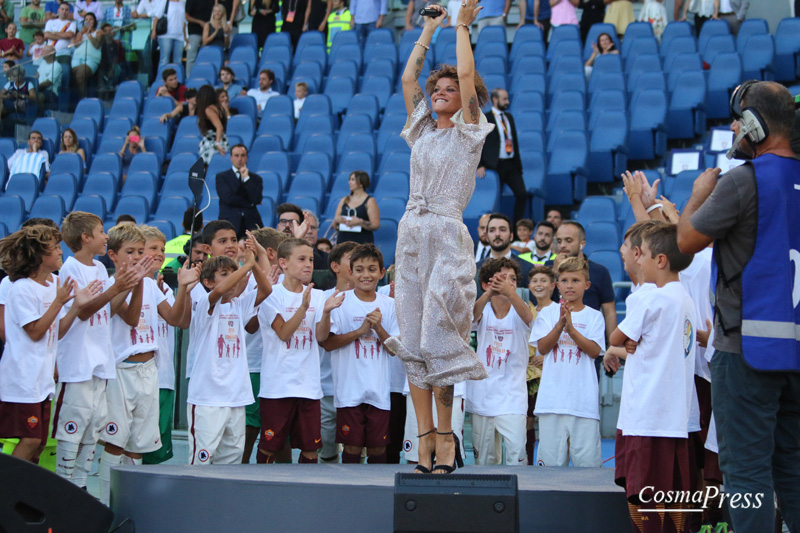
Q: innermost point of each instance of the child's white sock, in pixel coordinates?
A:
(66, 452)
(83, 465)
(107, 460)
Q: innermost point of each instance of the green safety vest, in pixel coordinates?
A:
(338, 22)
(529, 258)
(174, 249)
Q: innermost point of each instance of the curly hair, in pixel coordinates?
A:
(450, 71)
(215, 264)
(492, 266)
(22, 251)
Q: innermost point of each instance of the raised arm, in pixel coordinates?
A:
(466, 62)
(412, 92)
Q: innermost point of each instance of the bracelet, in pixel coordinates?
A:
(655, 206)
(422, 45)
(465, 27)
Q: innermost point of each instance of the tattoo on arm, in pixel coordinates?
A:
(473, 109)
(417, 97)
(446, 396)
(417, 73)
(420, 61)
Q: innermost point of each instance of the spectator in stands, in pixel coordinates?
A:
(499, 235)
(554, 217)
(175, 251)
(69, 144)
(16, 94)
(501, 152)
(524, 243)
(494, 13)
(482, 247)
(197, 13)
(177, 111)
(264, 91)
(171, 43)
(263, 13)
(87, 54)
(11, 47)
(313, 227)
(368, 15)
(228, 79)
(535, 12)
(339, 19)
(593, 12)
(190, 107)
(563, 12)
(61, 30)
(240, 193)
(31, 19)
(83, 7)
(734, 11)
(415, 20)
(120, 16)
(543, 238)
(571, 239)
(217, 31)
(30, 160)
(134, 144)
(51, 10)
(604, 45)
(324, 245)
(293, 24)
(357, 215)
(50, 72)
(8, 65)
(171, 87)
(224, 104)
(212, 124)
(113, 66)
(148, 9)
(36, 48)
(234, 11)
(702, 10)
(620, 14)
(6, 16)
(293, 223)
(300, 93)
(655, 13)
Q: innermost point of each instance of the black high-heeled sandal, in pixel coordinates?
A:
(458, 462)
(424, 469)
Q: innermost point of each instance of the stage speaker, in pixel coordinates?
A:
(458, 503)
(33, 499)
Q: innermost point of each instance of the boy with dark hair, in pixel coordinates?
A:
(524, 244)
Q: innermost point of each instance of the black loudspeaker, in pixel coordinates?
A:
(36, 500)
(462, 503)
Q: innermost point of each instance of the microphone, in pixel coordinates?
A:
(433, 13)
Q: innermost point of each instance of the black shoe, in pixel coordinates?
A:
(458, 462)
(423, 469)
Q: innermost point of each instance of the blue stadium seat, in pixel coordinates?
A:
(210, 55)
(379, 87)
(90, 108)
(647, 137)
(648, 80)
(155, 107)
(311, 184)
(636, 48)
(244, 40)
(636, 30)
(140, 184)
(392, 185)
(172, 208)
(343, 69)
(757, 58)
(219, 163)
(177, 184)
(145, 162)
(642, 63)
(681, 64)
(340, 187)
(724, 76)
(267, 211)
(526, 49)
(365, 104)
(279, 125)
(188, 144)
(316, 104)
(26, 186)
(529, 65)
(181, 163)
(317, 162)
(152, 127)
(278, 54)
(495, 65)
(607, 63)
(277, 39)
(310, 203)
(395, 161)
(277, 162)
(117, 127)
(103, 185)
(63, 185)
(602, 236)
(165, 226)
(340, 91)
(124, 108)
(272, 186)
(359, 142)
(12, 210)
(244, 54)
(491, 49)
(386, 240)
(564, 49)
(787, 46)
(85, 128)
(381, 67)
(572, 100)
(392, 208)
(679, 45)
(612, 261)
(346, 52)
(314, 124)
(607, 149)
(356, 161)
(709, 31)
(486, 197)
(244, 127)
(379, 36)
(245, 105)
(51, 207)
(606, 101)
(566, 173)
(567, 83)
(68, 164)
(533, 141)
(447, 36)
(687, 110)
(390, 125)
(3, 231)
(90, 203)
(130, 89)
(564, 65)
(7, 147)
(310, 38)
(49, 129)
(566, 32)
(311, 54)
(527, 101)
(387, 51)
(496, 81)
(748, 28)
(395, 144)
(110, 163)
(594, 32)
(564, 120)
(717, 45)
(317, 142)
(266, 143)
(527, 82)
(279, 105)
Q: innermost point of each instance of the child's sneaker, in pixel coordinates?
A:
(722, 527)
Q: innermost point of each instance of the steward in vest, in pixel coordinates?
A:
(543, 237)
(340, 19)
(751, 215)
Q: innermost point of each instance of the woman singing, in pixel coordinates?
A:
(435, 287)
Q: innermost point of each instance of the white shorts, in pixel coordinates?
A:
(411, 442)
(133, 408)
(487, 432)
(216, 434)
(80, 411)
(328, 429)
(565, 437)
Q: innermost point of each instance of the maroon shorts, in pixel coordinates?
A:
(365, 425)
(703, 388)
(658, 463)
(24, 420)
(711, 472)
(296, 418)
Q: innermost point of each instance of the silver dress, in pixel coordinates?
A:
(435, 287)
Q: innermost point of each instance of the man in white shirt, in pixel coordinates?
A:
(58, 32)
(265, 91)
(49, 73)
(30, 160)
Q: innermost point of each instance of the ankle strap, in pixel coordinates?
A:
(445, 432)
(427, 433)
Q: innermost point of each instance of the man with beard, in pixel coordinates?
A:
(498, 233)
(482, 246)
(543, 239)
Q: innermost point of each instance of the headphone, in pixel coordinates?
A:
(752, 126)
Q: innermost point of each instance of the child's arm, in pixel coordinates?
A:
(508, 288)
(286, 328)
(129, 312)
(548, 342)
(175, 315)
(259, 268)
(124, 282)
(83, 297)
(261, 253)
(228, 283)
(480, 304)
(589, 347)
(323, 328)
(37, 329)
(334, 341)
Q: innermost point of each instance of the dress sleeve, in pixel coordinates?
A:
(473, 134)
(421, 121)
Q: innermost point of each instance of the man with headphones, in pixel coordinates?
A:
(751, 215)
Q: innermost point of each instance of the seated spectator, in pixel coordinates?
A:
(563, 12)
(34, 52)
(87, 54)
(172, 42)
(300, 93)
(171, 87)
(16, 94)
(604, 45)
(228, 79)
(224, 103)
(11, 47)
(134, 144)
(217, 31)
(85, 7)
(324, 245)
(265, 91)
(61, 30)
(30, 160)
(50, 72)
(69, 144)
(190, 106)
(31, 20)
(524, 243)
(212, 123)
(357, 215)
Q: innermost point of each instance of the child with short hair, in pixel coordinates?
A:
(85, 359)
(133, 397)
(569, 336)
(300, 93)
(499, 403)
(36, 47)
(36, 319)
(290, 377)
(220, 387)
(659, 334)
(524, 243)
(355, 333)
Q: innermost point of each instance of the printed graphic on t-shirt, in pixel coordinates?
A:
(228, 343)
(496, 353)
(304, 335)
(100, 318)
(688, 336)
(566, 348)
(143, 332)
(163, 329)
(369, 345)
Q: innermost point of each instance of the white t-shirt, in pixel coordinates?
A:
(166, 349)
(696, 279)
(175, 19)
(290, 369)
(149, 8)
(5, 286)
(220, 377)
(298, 105)
(361, 370)
(26, 368)
(503, 350)
(325, 369)
(196, 294)
(57, 26)
(261, 97)
(569, 379)
(85, 350)
(658, 381)
(253, 341)
(127, 340)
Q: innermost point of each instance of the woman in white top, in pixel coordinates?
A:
(171, 43)
(87, 53)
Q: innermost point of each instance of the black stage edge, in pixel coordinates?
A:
(346, 498)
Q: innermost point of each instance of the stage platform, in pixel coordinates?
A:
(346, 498)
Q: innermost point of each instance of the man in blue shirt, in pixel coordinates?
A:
(494, 13)
(367, 15)
(535, 12)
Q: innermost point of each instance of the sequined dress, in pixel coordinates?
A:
(435, 287)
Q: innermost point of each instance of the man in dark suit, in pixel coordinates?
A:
(240, 191)
(501, 152)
